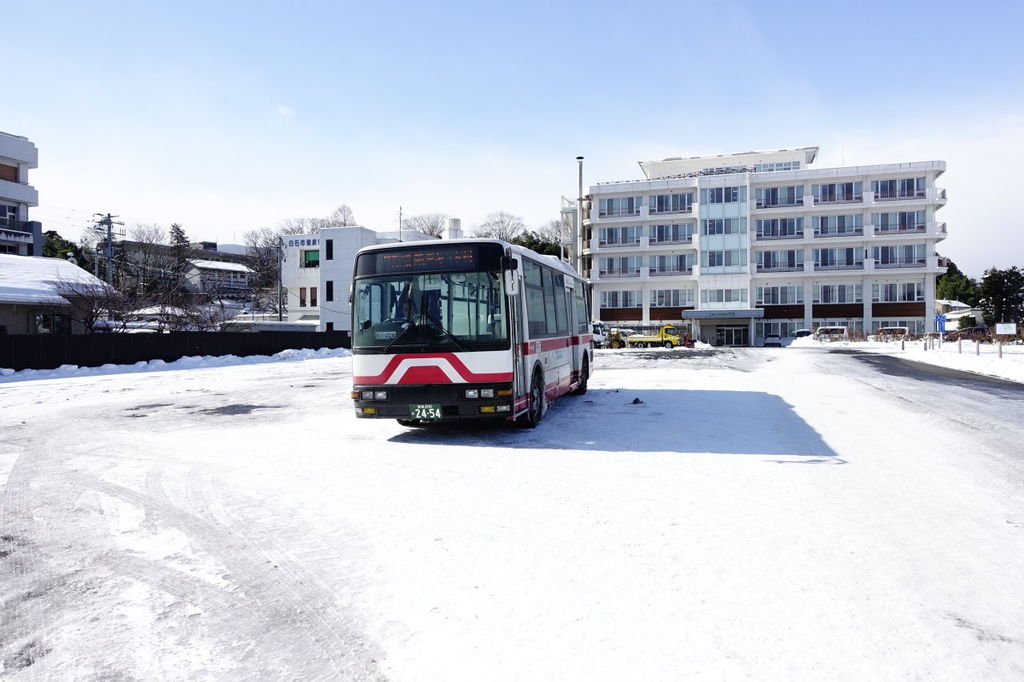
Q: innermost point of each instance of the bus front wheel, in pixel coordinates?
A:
(535, 411)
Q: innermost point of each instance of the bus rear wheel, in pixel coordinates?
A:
(581, 387)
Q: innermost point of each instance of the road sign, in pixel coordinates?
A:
(940, 323)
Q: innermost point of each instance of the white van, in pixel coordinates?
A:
(891, 334)
(831, 334)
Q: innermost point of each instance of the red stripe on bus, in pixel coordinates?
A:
(441, 378)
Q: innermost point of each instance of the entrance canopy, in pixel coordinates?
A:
(722, 314)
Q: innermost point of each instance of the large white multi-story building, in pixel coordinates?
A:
(745, 245)
(18, 235)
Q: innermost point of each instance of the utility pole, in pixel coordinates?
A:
(578, 228)
(399, 223)
(107, 221)
(280, 281)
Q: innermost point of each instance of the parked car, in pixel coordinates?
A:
(801, 333)
(973, 334)
(890, 334)
(772, 340)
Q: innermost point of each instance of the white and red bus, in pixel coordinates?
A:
(466, 329)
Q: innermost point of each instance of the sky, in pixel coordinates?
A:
(225, 117)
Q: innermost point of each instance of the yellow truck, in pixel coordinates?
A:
(667, 336)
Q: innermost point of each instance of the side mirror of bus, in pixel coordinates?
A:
(511, 283)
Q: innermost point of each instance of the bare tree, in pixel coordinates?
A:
(339, 217)
(500, 225)
(430, 224)
(264, 245)
(148, 233)
(299, 226)
(91, 302)
(554, 231)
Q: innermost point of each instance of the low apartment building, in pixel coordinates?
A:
(19, 236)
(744, 245)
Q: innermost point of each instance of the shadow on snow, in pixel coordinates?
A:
(627, 420)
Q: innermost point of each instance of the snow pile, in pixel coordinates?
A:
(187, 362)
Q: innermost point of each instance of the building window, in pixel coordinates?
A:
(897, 292)
(329, 291)
(619, 236)
(617, 206)
(907, 255)
(780, 295)
(302, 297)
(329, 248)
(681, 233)
(780, 260)
(837, 225)
(723, 226)
(837, 191)
(724, 259)
(51, 323)
(628, 266)
(769, 197)
(621, 299)
(838, 293)
(671, 298)
(837, 259)
(330, 326)
(310, 259)
(780, 228)
(8, 216)
(671, 265)
(723, 195)
(312, 297)
(8, 173)
(904, 188)
(723, 296)
(901, 221)
(670, 203)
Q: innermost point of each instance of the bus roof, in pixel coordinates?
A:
(522, 251)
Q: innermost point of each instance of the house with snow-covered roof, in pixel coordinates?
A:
(45, 295)
(220, 279)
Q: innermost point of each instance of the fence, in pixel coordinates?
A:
(41, 351)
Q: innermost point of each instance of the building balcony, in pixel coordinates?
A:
(630, 274)
(841, 199)
(18, 193)
(830, 234)
(682, 241)
(776, 237)
(799, 267)
(798, 202)
(897, 264)
(619, 213)
(671, 273)
(838, 266)
(900, 229)
(900, 196)
(670, 211)
(618, 245)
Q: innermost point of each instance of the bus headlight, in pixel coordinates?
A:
(472, 394)
(380, 395)
(486, 392)
(367, 395)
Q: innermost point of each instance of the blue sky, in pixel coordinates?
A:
(228, 116)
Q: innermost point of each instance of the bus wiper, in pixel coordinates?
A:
(454, 339)
(409, 325)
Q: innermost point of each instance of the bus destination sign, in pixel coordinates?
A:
(426, 260)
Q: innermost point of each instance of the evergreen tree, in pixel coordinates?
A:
(55, 246)
(539, 243)
(954, 285)
(181, 250)
(1002, 295)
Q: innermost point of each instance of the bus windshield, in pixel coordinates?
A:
(430, 311)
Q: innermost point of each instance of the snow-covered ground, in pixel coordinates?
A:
(712, 514)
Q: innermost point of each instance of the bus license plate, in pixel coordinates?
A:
(425, 411)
